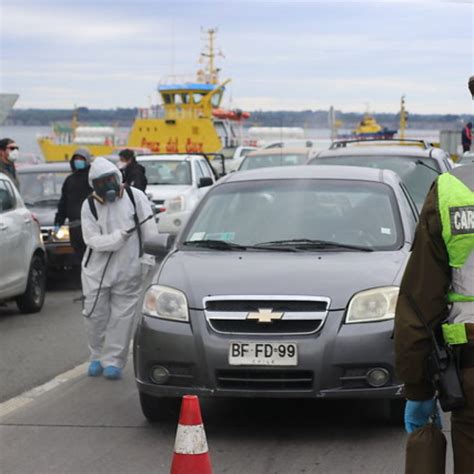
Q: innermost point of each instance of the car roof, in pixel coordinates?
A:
(351, 173)
(46, 168)
(171, 157)
(385, 150)
(281, 151)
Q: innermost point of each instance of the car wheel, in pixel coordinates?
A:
(158, 408)
(31, 301)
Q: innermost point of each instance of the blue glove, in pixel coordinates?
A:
(56, 228)
(419, 412)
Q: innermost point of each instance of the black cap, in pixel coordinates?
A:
(4, 142)
(471, 85)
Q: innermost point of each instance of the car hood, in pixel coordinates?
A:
(45, 215)
(337, 275)
(164, 192)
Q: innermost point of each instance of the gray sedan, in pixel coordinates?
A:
(282, 284)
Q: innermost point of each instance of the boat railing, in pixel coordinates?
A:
(176, 79)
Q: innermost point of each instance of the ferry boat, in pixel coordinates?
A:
(190, 120)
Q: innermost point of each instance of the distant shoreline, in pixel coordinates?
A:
(314, 119)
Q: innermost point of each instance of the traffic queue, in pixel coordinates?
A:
(280, 279)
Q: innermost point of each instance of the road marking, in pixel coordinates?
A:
(15, 403)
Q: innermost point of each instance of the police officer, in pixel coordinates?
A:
(439, 284)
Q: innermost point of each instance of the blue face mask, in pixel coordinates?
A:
(79, 164)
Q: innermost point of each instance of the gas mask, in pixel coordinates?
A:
(107, 187)
(14, 155)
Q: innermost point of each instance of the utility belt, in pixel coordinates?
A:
(461, 337)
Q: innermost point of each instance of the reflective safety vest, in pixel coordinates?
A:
(456, 208)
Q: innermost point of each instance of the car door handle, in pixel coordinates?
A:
(3, 226)
(27, 220)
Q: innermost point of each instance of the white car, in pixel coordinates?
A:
(176, 183)
(22, 253)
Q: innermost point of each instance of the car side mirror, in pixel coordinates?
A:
(159, 245)
(205, 181)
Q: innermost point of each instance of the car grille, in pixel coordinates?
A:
(276, 327)
(301, 314)
(265, 379)
(158, 204)
(276, 304)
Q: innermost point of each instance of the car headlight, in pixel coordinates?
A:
(62, 235)
(176, 204)
(377, 304)
(165, 303)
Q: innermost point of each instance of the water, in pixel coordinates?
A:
(26, 137)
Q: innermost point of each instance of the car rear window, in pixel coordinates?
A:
(416, 177)
(278, 159)
(42, 188)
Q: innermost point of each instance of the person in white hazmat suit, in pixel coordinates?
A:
(113, 265)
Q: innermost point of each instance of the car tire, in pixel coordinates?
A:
(31, 301)
(159, 409)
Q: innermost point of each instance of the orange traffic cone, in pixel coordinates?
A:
(191, 454)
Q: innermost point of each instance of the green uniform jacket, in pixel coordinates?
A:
(427, 280)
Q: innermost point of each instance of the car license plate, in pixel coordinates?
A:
(263, 353)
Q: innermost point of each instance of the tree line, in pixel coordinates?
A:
(124, 117)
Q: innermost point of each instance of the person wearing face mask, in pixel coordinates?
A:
(8, 156)
(74, 191)
(116, 220)
(132, 172)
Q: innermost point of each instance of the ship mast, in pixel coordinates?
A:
(403, 118)
(210, 74)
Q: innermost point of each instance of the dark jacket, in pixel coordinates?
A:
(74, 191)
(427, 280)
(10, 171)
(134, 175)
(467, 136)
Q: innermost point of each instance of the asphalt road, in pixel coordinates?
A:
(84, 425)
(36, 347)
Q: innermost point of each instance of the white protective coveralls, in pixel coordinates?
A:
(109, 327)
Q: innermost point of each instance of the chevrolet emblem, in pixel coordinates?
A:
(265, 315)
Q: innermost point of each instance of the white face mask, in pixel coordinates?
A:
(13, 155)
(121, 165)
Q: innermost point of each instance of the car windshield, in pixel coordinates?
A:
(300, 212)
(278, 159)
(42, 188)
(167, 172)
(417, 177)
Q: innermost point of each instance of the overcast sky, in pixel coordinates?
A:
(290, 55)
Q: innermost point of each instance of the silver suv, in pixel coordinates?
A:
(415, 161)
(282, 284)
(22, 254)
